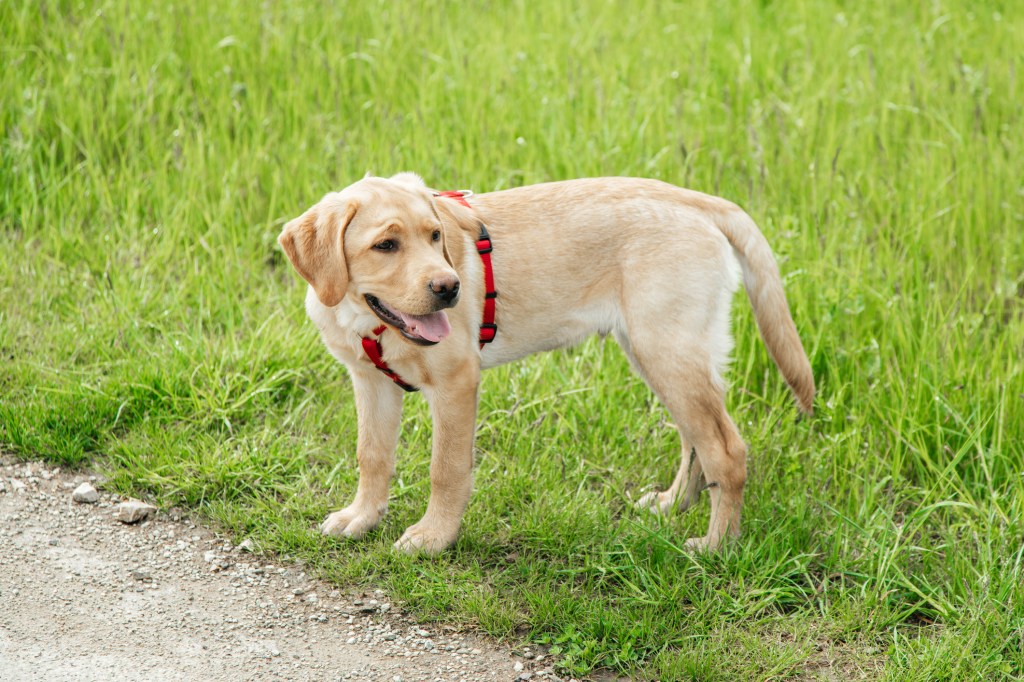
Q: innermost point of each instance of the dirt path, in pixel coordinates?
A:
(86, 597)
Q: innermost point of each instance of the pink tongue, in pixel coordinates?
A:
(432, 327)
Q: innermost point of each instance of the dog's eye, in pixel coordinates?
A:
(386, 245)
(436, 236)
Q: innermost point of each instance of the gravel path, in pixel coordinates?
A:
(86, 597)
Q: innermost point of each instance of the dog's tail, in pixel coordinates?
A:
(764, 287)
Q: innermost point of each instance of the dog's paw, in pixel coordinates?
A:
(426, 538)
(699, 545)
(656, 503)
(709, 544)
(352, 521)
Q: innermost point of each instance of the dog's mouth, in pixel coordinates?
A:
(425, 330)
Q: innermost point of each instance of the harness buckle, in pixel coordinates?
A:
(487, 332)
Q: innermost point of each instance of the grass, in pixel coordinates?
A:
(149, 326)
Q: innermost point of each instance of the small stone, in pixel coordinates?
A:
(518, 667)
(17, 485)
(299, 591)
(141, 576)
(246, 545)
(134, 511)
(476, 652)
(525, 676)
(85, 494)
(217, 561)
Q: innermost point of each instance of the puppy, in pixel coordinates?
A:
(415, 289)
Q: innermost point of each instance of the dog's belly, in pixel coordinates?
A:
(547, 330)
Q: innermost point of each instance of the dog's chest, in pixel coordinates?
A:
(340, 327)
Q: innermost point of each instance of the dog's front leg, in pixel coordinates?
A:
(379, 409)
(453, 407)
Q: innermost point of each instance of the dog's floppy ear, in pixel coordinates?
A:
(455, 220)
(315, 244)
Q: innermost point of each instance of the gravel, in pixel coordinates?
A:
(85, 597)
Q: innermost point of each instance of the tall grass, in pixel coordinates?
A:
(150, 152)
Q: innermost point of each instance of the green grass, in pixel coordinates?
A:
(149, 326)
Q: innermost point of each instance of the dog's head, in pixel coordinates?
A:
(381, 242)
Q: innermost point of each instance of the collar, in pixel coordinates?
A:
(488, 330)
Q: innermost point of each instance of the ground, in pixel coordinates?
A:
(87, 597)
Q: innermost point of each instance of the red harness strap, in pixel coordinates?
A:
(488, 330)
(458, 195)
(376, 355)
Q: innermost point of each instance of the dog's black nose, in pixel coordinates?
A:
(445, 288)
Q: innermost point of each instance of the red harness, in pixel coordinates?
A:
(488, 330)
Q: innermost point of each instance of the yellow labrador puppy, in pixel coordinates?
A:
(399, 277)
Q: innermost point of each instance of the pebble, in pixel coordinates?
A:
(134, 511)
(85, 494)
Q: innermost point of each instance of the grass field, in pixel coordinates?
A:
(150, 327)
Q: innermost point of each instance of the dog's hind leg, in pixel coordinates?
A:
(685, 378)
(689, 475)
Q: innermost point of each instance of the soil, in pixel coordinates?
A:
(84, 596)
